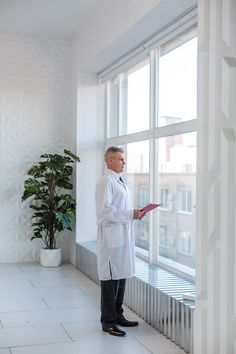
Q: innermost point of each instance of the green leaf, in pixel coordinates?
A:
(66, 219)
(74, 157)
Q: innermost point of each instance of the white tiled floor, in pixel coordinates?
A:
(56, 311)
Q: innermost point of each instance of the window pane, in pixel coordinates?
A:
(138, 83)
(138, 182)
(178, 84)
(177, 193)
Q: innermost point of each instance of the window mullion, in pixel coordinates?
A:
(123, 99)
(152, 155)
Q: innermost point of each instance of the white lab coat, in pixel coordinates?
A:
(115, 234)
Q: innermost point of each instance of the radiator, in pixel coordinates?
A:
(154, 294)
(164, 308)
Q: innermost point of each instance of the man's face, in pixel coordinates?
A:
(116, 162)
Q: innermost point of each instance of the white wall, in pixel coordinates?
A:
(35, 117)
(90, 137)
(215, 314)
(116, 27)
(107, 23)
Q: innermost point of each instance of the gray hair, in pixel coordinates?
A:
(112, 150)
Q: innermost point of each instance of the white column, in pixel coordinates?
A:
(90, 138)
(215, 323)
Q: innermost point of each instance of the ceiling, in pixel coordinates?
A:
(44, 17)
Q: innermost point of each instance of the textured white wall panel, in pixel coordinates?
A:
(215, 315)
(35, 117)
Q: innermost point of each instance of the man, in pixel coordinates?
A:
(115, 241)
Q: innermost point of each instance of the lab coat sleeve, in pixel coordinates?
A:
(106, 210)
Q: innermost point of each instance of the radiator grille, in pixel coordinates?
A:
(164, 308)
(154, 294)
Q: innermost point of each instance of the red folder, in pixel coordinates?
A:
(149, 207)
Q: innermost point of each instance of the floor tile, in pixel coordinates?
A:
(83, 330)
(16, 319)
(9, 268)
(19, 292)
(12, 277)
(16, 284)
(36, 267)
(90, 288)
(45, 275)
(79, 300)
(19, 336)
(52, 282)
(103, 345)
(30, 275)
(142, 329)
(60, 292)
(71, 272)
(5, 351)
(158, 344)
(21, 305)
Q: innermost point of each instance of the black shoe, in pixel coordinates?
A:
(125, 323)
(114, 331)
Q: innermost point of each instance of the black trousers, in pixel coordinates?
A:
(112, 295)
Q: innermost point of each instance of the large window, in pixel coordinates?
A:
(151, 113)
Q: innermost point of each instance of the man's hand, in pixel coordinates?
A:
(138, 214)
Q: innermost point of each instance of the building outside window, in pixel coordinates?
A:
(164, 198)
(143, 193)
(184, 200)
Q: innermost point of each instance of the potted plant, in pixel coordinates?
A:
(54, 209)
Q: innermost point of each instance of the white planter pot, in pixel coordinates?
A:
(50, 258)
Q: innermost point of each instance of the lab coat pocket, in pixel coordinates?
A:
(115, 235)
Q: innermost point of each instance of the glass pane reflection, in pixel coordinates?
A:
(138, 182)
(177, 193)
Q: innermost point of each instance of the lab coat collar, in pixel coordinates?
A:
(113, 174)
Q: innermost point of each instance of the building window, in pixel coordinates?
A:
(142, 235)
(164, 198)
(143, 195)
(184, 200)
